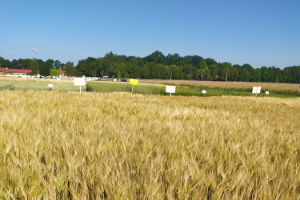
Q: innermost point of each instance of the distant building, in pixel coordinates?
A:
(14, 72)
(22, 72)
(62, 73)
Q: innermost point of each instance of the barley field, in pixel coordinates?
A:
(56, 145)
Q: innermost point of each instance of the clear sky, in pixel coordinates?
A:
(257, 32)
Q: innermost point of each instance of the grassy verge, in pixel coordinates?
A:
(38, 84)
(273, 87)
(182, 90)
(239, 88)
(121, 87)
(197, 91)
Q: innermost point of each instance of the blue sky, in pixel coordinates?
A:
(257, 32)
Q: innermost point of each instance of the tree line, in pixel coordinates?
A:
(159, 66)
(47, 68)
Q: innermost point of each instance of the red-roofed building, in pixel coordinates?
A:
(22, 72)
(62, 73)
(15, 72)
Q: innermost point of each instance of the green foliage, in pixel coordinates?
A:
(70, 70)
(233, 74)
(34, 65)
(197, 91)
(7, 87)
(54, 72)
(45, 70)
(204, 74)
(175, 73)
(159, 66)
(203, 65)
(36, 84)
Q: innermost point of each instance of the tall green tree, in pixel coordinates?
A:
(45, 69)
(174, 72)
(257, 75)
(70, 69)
(204, 74)
(233, 74)
(203, 65)
(56, 64)
(264, 74)
(156, 57)
(188, 70)
(160, 71)
(213, 68)
(50, 63)
(145, 72)
(227, 66)
(34, 66)
(54, 72)
(4, 63)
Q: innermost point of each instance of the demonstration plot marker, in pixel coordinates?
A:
(133, 82)
(170, 89)
(256, 90)
(79, 81)
(50, 86)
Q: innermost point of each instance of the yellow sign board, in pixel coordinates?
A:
(133, 81)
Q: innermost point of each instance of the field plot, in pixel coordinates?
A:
(237, 87)
(122, 87)
(63, 85)
(222, 84)
(181, 89)
(56, 145)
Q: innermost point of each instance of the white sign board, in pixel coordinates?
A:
(79, 81)
(170, 89)
(256, 90)
(267, 92)
(50, 85)
(203, 91)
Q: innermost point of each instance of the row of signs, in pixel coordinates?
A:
(169, 88)
(256, 90)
